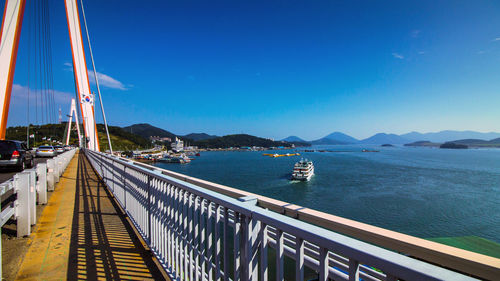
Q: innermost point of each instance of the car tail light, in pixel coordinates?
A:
(15, 154)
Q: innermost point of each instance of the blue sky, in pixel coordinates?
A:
(280, 68)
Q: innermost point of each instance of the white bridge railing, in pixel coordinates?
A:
(199, 234)
(30, 187)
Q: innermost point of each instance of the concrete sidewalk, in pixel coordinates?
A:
(84, 235)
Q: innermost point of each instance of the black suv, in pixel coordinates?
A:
(15, 154)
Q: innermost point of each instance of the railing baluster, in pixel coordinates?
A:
(184, 235)
(196, 215)
(280, 255)
(210, 252)
(217, 243)
(180, 233)
(169, 227)
(299, 259)
(182, 238)
(203, 256)
(226, 244)
(263, 252)
(176, 231)
(323, 264)
(190, 237)
(249, 265)
(164, 233)
(236, 246)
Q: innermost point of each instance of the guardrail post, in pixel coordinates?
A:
(41, 170)
(60, 166)
(21, 186)
(32, 191)
(56, 169)
(50, 175)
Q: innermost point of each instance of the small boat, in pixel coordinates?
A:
(183, 159)
(169, 160)
(197, 154)
(281, 155)
(303, 170)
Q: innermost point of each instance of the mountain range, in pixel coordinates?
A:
(335, 138)
(147, 130)
(200, 136)
(383, 138)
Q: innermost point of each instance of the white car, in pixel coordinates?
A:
(59, 149)
(46, 151)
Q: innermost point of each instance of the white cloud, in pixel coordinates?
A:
(398, 56)
(415, 33)
(496, 39)
(20, 94)
(421, 52)
(481, 52)
(106, 81)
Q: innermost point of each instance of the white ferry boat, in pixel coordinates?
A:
(303, 170)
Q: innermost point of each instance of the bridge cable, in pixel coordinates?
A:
(48, 65)
(35, 16)
(28, 101)
(96, 79)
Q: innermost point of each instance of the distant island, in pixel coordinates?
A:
(423, 143)
(387, 145)
(452, 145)
(476, 143)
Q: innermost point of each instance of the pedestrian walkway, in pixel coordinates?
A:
(84, 235)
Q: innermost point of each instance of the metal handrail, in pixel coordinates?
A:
(181, 221)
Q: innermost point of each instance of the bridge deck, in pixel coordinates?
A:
(83, 234)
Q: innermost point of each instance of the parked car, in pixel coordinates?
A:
(67, 147)
(59, 149)
(46, 151)
(15, 154)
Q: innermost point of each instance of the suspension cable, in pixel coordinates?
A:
(96, 79)
(28, 102)
(35, 64)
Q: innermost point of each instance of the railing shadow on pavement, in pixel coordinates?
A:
(103, 242)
